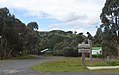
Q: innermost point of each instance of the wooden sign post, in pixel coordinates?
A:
(85, 48)
(90, 42)
(83, 58)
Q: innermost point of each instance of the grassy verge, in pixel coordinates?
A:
(62, 65)
(107, 63)
(68, 65)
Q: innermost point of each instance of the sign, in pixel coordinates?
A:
(84, 50)
(84, 46)
(44, 50)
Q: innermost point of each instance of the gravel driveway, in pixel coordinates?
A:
(22, 67)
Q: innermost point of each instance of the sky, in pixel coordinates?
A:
(68, 15)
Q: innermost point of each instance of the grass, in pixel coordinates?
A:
(62, 65)
(68, 65)
(107, 63)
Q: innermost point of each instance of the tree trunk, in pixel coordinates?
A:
(9, 53)
(5, 50)
(118, 46)
(2, 57)
(118, 50)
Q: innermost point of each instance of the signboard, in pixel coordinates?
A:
(44, 50)
(84, 46)
(84, 50)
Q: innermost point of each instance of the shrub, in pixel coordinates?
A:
(48, 53)
(112, 62)
(97, 56)
(58, 53)
(70, 51)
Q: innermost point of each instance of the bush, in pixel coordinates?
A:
(48, 53)
(97, 56)
(112, 62)
(70, 51)
(58, 53)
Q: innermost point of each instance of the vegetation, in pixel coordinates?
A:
(16, 38)
(60, 43)
(61, 65)
(107, 63)
(97, 56)
(106, 34)
(69, 64)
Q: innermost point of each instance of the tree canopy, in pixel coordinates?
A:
(15, 36)
(106, 33)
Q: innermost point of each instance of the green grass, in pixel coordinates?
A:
(62, 65)
(107, 63)
(68, 65)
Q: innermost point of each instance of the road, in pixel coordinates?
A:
(22, 67)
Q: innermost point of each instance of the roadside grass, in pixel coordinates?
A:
(107, 63)
(70, 64)
(61, 65)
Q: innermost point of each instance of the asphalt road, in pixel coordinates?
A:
(22, 67)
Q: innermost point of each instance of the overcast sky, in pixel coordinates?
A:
(73, 15)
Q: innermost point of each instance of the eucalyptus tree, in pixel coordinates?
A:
(98, 38)
(9, 34)
(33, 25)
(110, 23)
(13, 34)
(32, 35)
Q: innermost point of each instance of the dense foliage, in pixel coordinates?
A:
(15, 37)
(60, 42)
(106, 34)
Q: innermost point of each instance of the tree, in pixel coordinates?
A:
(58, 40)
(80, 38)
(32, 37)
(75, 32)
(15, 36)
(33, 25)
(110, 20)
(9, 32)
(108, 43)
(98, 38)
(69, 32)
